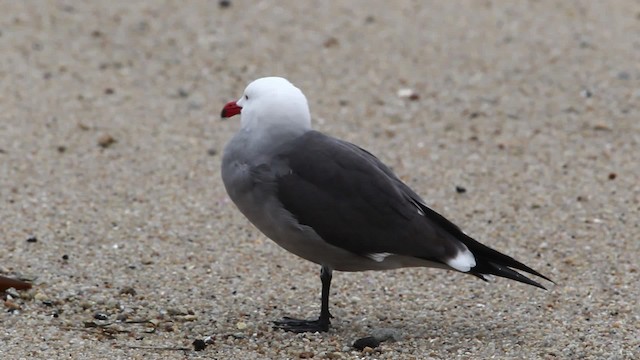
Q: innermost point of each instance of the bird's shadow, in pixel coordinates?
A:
(438, 330)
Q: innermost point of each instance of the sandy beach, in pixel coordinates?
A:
(113, 207)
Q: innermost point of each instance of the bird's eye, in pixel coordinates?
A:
(246, 97)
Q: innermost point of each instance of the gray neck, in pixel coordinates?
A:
(262, 141)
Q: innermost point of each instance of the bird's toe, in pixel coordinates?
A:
(301, 325)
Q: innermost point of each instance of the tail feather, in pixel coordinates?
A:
(488, 260)
(489, 268)
(493, 262)
(498, 258)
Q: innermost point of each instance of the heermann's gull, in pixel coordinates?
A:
(335, 204)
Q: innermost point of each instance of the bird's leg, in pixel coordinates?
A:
(325, 278)
(319, 325)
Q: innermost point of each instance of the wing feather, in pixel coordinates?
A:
(355, 202)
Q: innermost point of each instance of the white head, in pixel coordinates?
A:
(269, 102)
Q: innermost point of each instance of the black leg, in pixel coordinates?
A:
(325, 277)
(319, 325)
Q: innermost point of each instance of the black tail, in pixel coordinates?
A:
(488, 260)
(493, 262)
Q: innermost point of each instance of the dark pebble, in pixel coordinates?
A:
(612, 176)
(199, 345)
(183, 93)
(128, 291)
(331, 42)
(586, 93)
(623, 75)
(461, 190)
(65, 257)
(32, 239)
(212, 152)
(100, 316)
(224, 4)
(369, 341)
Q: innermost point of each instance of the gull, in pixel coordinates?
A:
(335, 204)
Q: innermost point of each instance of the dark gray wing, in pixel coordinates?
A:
(355, 202)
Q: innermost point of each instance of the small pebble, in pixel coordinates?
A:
(12, 293)
(100, 316)
(32, 239)
(199, 345)
(106, 140)
(86, 305)
(408, 94)
(364, 342)
(331, 42)
(11, 306)
(461, 190)
(601, 127)
(386, 334)
(623, 75)
(183, 93)
(128, 290)
(189, 317)
(177, 311)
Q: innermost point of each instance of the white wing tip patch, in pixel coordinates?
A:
(488, 277)
(378, 257)
(463, 261)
